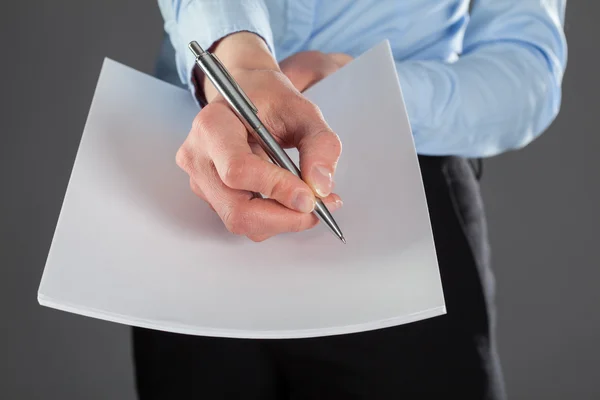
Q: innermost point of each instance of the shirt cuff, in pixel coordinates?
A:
(209, 21)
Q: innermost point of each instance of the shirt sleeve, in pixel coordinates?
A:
(207, 21)
(501, 93)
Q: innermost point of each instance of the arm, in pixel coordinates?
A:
(504, 90)
(207, 22)
(226, 167)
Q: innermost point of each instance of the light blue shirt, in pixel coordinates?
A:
(476, 82)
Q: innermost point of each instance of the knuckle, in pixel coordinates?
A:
(199, 192)
(276, 121)
(233, 173)
(235, 221)
(335, 143)
(199, 123)
(183, 158)
(275, 189)
(277, 184)
(274, 117)
(194, 187)
(206, 120)
(320, 75)
(310, 108)
(329, 141)
(297, 225)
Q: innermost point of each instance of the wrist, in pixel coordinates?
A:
(238, 51)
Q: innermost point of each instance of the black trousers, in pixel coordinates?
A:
(453, 355)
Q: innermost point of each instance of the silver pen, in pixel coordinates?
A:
(248, 113)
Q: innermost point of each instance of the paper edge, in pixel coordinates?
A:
(45, 272)
(242, 334)
(390, 54)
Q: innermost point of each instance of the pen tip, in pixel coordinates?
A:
(343, 239)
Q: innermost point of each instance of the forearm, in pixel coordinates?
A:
(207, 22)
(495, 100)
(504, 90)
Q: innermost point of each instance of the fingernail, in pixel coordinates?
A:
(322, 180)
(303, 202)
(336, 205)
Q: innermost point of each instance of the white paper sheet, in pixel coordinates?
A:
(134, 245)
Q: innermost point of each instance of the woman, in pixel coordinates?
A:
(477, 82)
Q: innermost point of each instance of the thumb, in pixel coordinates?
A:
(319, 149)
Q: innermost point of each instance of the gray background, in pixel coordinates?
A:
(541, 203)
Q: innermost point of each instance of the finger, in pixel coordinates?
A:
(225, 140)
(259, 151)
(340, 59)
(243, 214)
(307, 68)
(204, 181)
(256, 149)
(198, 192)
(332, 202)
(319, 150)
(196, 189)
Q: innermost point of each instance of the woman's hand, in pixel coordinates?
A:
(226, 166)
(306, 68)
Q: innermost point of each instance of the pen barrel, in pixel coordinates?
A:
(228, 88)
(281, 158)
(277, 154)
(245, 110)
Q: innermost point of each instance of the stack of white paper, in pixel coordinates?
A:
(134, 245)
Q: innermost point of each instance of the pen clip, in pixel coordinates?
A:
(234, 83)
